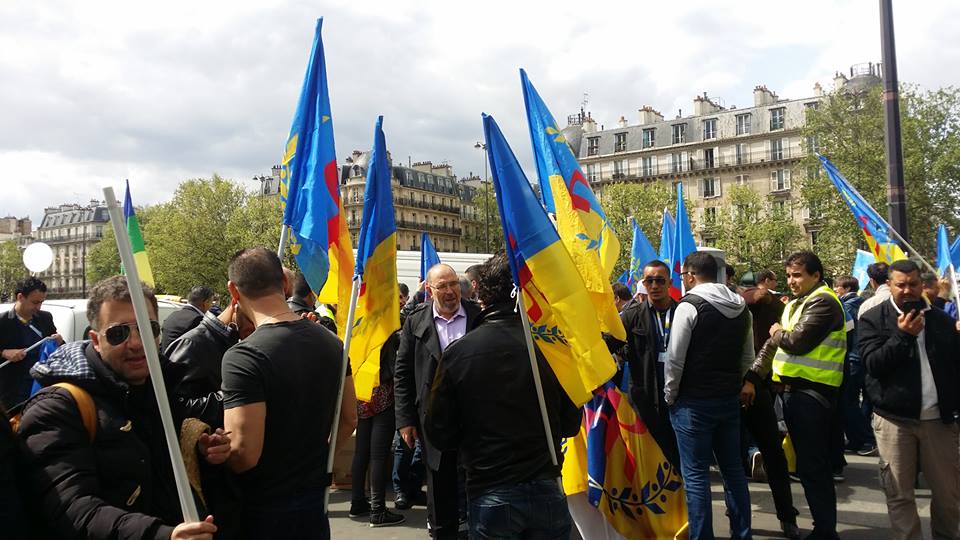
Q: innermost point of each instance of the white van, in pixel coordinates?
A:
(408, 264)
(70, 315)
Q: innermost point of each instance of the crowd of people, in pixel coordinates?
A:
(721, 377)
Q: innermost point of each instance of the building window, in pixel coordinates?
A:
(780, 207)
(620, 169)
(780, 180)
(710, 215)
(710, 129)
(709, 188)
(777, 118)
(649, 137)
(646, 164)
(743, 124)
(813, 145)
(814, 105)
(593, 146)
(708, 161)
(813, 172)
(741, 153)
(742, 179)
(679, 133)
(676, 162)
(620, 142)
(814, 237)
(593, 172)
(776, 149)
(408, 175)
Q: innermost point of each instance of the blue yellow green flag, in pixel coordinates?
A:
(378, 309)
(581, 222)
(136, 240)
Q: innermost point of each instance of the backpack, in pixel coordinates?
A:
(88, 410)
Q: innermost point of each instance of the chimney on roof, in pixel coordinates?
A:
(817, 90)
(622, 122)
(703, 105)
(763, 96)
(589, 124)
(648, 115)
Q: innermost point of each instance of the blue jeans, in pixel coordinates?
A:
(408, 467)
(300, 518)
(708, 428)
(534, 510)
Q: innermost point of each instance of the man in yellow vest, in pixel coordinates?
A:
(806, 351)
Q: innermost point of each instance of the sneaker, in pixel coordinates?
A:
(385, 518)
(868, 450)
(359, 508)
(795, 477)
(838, 477)
(757, 472)
(402, 502)
(790, 530)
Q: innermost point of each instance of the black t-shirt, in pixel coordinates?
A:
(293, 367)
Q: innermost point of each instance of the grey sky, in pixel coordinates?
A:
(95, 92)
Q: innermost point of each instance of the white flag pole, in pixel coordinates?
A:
(284, 231)
(187, 506)
(335, 427)
(535, 369)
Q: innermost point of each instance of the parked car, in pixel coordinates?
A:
(70, 315)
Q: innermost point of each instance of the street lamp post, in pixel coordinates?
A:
(486, 198)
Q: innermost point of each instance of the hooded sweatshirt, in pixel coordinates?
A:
(711, 344)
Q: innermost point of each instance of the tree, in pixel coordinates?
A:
(645, 202)
(103, 259)
(488, 222)
(848, 128)
(755, 234)
(12, 269)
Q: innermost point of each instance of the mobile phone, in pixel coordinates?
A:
(914, 305)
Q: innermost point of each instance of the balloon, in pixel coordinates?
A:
(37, 257)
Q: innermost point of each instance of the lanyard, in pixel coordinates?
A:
(663, 327)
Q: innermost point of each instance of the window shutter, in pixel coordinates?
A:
(786, 178)
(717, 187)
(700, 188)
(773, 181)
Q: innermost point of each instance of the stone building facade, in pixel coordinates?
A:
(71, 230)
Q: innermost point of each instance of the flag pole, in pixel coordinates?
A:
(534, 367)
(953, 286)
(335, 427)
(187, 506)
(284, 231)
(910, 248)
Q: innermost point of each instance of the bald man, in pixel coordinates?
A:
(428, 330)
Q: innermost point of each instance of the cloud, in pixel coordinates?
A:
(98, 92)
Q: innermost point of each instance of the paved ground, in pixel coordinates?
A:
(862, 510)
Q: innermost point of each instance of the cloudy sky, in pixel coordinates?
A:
(95, 92)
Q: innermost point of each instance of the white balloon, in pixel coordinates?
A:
(37, 257)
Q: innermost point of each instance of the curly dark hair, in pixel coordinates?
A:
(495, 283)
(28, 285)
(113, 289)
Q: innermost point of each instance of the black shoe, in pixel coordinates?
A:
(402, 502)
(359, 508)
(790, 530)
(385, 518)
(838, 477)
(868, 450)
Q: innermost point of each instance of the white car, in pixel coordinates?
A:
(70, 315)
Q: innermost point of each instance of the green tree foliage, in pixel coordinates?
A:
(645, 202)
(488, 219)
(755, 234)
(849, 129)
(103, 259)
(12, 269)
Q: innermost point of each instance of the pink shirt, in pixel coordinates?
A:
(452, 329)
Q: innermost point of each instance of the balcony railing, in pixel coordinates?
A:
(413, 225)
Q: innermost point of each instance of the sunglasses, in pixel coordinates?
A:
(120, 333)
(652, 280)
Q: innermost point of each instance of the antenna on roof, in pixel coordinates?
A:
(583, 103)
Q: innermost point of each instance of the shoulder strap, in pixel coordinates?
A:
(88, 410)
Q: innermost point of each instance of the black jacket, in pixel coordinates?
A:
(14, 378)
(179, 323)
(483, 402)
(821, 315)
(893, 363)
(640, 351)
(119, 487)
(417, 358)
(200, 351)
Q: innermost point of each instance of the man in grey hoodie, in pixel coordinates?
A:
(711, 347)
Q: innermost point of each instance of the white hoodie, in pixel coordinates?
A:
(729, 304)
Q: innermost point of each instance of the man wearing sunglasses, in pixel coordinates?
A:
(117, 481)
(648, 332)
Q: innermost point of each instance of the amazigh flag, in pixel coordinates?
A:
(428, 256)
(554, 294)
(136, 240)
(378, 312)
(860, 264)
(582, 224)
(683, 244)
(310, 191)
(619, 464)
(667, 230)
(641, 252)
(944, 260)
(875, 229)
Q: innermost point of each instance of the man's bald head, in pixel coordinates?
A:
(444, 284)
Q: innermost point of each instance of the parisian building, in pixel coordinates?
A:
(70, 230)
(17, 230)
(713, 149)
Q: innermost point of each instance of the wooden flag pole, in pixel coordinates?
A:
(335, 427)
(535, 369)
(184, 493)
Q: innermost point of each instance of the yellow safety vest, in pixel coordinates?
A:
(824, 364)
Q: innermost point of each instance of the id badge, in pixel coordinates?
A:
(662, 357)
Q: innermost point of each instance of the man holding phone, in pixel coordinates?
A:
(910, 354)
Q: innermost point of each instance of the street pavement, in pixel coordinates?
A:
(861, 507)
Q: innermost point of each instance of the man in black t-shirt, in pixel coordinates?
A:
(280, 389)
